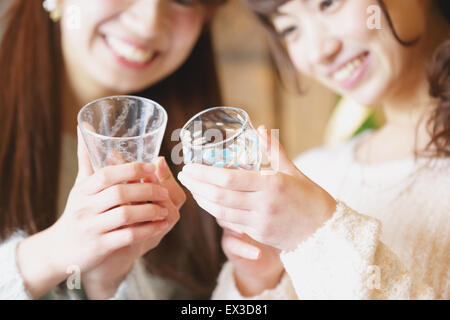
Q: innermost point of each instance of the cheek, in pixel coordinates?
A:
(80, 28)
(81, 18)
(368, 19)
(353, 21)
(186, 30)
(296, 53)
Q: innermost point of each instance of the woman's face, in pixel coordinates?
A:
(335, 42)
(128, 45)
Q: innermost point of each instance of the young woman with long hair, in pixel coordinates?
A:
(52, 63)
(369, 219)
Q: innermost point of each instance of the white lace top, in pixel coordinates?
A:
(389, 237)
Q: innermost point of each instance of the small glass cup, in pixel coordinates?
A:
(222, 137)
(122, 129)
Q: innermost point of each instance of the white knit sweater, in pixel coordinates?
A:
(388, 239)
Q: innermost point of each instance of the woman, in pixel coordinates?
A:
(368, 219)
(52, 64)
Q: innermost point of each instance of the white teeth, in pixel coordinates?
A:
(347, 71)
(129, 52)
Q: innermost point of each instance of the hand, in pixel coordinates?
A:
(257, 267)
(280, 210)
(102, 215)
(102, 282)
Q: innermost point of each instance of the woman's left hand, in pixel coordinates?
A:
(103, 281)
(281, 209)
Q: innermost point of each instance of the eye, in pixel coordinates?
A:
(326, 4)
(186, 3)
(288, 31)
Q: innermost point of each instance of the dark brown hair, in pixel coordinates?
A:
(30, 141)
(438, 71)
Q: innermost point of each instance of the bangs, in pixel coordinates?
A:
(265, 7)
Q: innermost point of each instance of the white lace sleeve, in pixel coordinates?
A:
(142, 285)
(226, 288)
(344, 259)
(12, 286)
(139, 284)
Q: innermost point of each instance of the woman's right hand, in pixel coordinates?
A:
(99, 218)
(256, 267)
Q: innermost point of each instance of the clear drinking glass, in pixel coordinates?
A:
(222, 137)
(122, 129)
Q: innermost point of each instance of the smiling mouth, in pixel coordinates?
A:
(129, 52)
(351, 69)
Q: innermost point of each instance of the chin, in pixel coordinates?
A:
(121, 85)
(369, 94)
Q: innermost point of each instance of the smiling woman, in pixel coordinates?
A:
(412, 39)
(366, 219)
(158, 49)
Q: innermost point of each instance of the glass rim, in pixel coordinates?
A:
(212, 145)
(100, 136)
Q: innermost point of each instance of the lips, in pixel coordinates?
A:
(129, 52)
(351, 71)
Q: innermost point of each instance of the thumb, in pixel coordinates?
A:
(167, 180)
(85, 168)
(276, 154)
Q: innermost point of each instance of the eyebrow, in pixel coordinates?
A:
(277, 13)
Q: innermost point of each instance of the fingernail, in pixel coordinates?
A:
(190, 170)
(253, 253)
(149, 168)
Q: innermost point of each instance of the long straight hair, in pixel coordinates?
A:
(438, 71)
(30, 141)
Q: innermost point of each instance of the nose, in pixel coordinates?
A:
(323, 47)
(147, 19)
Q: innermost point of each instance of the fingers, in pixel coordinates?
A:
(124, 194)
(231, 227)
(113, 175)
(114, 158)
(238, 180)
(120, 238)
(226, 215)
(167, 180)
(174, 214)
(224, 197)
(131, 214)
(233, 246)
(85, 168)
